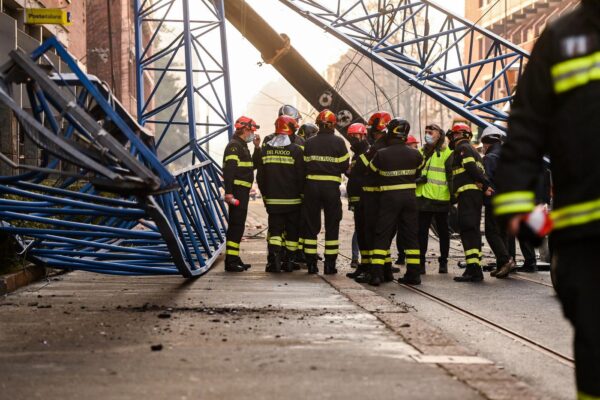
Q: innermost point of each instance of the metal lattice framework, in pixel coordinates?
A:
(182, 76)
(101, 200)
(428, 47)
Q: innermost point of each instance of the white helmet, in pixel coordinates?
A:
(492, 134)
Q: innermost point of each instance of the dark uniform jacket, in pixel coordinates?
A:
(361, 171)
(490, 164)
(238, 168)
(297, 140)
(355, 176)
(396, 167)
(280, 177)
(326, 157)
(467, 169)
(556, 112)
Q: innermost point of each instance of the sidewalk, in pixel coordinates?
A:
(223, 336)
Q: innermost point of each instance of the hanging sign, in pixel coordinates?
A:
(47, 16)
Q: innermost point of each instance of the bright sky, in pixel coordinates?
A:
(247, 78)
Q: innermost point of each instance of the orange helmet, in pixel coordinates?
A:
(357, 128)
(379, 121)
(326, 117)
(245, 122)
(285, 125)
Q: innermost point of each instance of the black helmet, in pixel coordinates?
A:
(291, 111)
(398, 128)
(307, 130)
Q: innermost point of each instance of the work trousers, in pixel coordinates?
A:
(322, 195)
(470, 203)
(283, 231)
(496, 237)
(441, 222)
(370, 212)
(237, 222)
(578, 287)
(397, 212)
(527, 250)
(360, 232)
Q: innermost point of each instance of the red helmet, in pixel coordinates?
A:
(326, 117)
(379, 121)
(411, 139)
(285, 125)
(357, 128)
(245, 122)
(461, 127)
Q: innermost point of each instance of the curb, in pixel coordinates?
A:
(481, 375)
(15, 280)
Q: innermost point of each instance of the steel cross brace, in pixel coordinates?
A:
(428, 47)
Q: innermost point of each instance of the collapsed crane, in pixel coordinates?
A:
(120, 195)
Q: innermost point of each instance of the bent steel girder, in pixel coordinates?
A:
(100, 199)
(277, 50)
(428, 47)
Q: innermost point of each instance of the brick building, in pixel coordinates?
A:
(111, 47)
(519, 21)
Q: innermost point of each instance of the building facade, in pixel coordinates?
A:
(16, 34)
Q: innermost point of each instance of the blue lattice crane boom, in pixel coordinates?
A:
(430, 48)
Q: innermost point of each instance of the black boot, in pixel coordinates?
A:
(232, 264)
(244, 265)
(329, 268)
(288, 266)
(473, 273)
(312, 267)
(412, 276)
(359, 270)
(365, 275)
(443, 265)
(275, 265)
(388, 275)
(376, 276)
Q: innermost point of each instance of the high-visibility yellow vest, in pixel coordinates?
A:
(436, 187)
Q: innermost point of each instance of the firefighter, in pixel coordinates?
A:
(396, 168)
(469, 183)
(369, 197)
(557, 100)
(280, 179)
(290, 111)
(433, 195)
(326, 160)
(357, 133)
(238, 176)
(496, 236)
(305, 132)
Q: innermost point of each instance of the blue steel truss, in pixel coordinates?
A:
(101, 199)
(183, 87)
(428, 47)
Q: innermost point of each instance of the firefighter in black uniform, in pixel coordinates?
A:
(396, 168)
(357, 133)
(295, 138)
(280, 179)
(326, 159)
(557, 99)
(238, 176)
(369, 197)
(469, 183)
